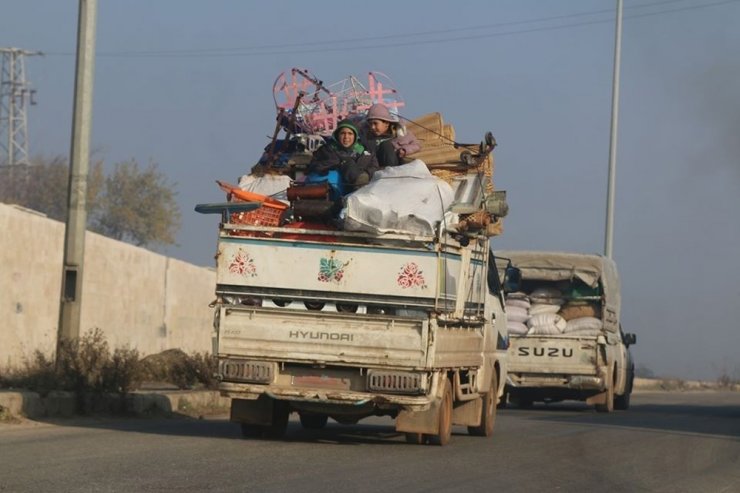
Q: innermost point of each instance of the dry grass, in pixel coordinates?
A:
(87, 366)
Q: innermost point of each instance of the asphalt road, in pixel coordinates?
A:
(667, 442)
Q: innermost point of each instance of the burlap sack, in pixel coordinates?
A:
(569, 312)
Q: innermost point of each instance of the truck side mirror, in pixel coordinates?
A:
(630, 339)
(512, 279)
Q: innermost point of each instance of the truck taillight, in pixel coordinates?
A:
(396, 381)
(246, 371)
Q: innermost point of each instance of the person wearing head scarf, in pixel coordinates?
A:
(344, 153)
(385, 138)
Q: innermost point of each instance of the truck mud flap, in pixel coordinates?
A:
(427, 421)
(252, 411)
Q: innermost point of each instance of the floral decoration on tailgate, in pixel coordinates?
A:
(242, 263)
(331, 269)
(411, 276)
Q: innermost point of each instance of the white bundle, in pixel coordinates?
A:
(544, 330)
(520, 302)
(539, 308)
(546, 323)
(516, 328)
(551, 296)
(518, 295)
(399, 199)
(274, 186)
(584, 325)
(516, 313)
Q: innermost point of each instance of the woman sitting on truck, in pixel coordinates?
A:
(344, 153)
(386, 138)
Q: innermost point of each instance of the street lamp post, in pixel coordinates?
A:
(609, 236)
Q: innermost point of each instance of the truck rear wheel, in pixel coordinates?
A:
(622, 402)
(280, 414)
(488, 411)
(313, 421)
(523, 401)
(445, 417)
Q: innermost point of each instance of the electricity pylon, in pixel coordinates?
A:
(15, 95)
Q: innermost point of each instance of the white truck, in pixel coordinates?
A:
(404, 326)
(390, 307)
(566, 340)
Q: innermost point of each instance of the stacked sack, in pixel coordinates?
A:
(543, 312)
(582, 318)
(517, 313)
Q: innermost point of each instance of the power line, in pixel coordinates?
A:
(260, 50)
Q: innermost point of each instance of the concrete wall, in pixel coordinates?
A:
(138, 298)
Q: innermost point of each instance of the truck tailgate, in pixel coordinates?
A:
(553, 354)
(325, 337)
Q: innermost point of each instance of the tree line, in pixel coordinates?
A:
(132, 203)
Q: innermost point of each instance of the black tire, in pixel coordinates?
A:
(622, 402)
(280, 414)
(445, 417)
(313, 421)
(504, 401)
(523, 402)
(488, 411)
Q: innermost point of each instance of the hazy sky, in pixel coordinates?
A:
(188, 84)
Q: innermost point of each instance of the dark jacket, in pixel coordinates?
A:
(401, 138)
(350, 162)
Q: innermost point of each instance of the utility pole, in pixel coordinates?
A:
(608, 239)
(15, 93)
(74, 239)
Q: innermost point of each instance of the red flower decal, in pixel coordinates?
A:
(243, 264)
(410, 276)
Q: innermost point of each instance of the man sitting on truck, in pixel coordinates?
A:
(344, 154)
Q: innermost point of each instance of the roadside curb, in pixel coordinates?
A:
(32, 405)
(678, 385)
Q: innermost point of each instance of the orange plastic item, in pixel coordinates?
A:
(270, 214)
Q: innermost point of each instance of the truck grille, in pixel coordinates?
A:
(386, 381)
(247, 371)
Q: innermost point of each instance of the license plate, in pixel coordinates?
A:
(321, 381)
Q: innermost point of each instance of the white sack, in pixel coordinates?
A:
(547, 319)
(274, 186)
(399, 199)
(516, 313)
(539, 308)
(544, 330)
(550, 296)
(518, 302)
(517, 328)
(518, 295)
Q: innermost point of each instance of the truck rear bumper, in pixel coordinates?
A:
(326, 396)
(575, 382)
